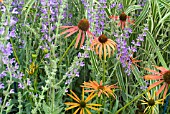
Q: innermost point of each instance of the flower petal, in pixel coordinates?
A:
(160, 90)
(165, 92)
(71, 33)
(93, 108)
(155, 84)
(78, 38)
(88, 112)
(76, 111)
(71, 107)
(162, 69)
(91, 96)
(152, 77)
(82, 40)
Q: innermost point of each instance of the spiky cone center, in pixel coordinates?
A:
(82, 104)
(100, 87)
(123, 17)
(166, 77)
(83, 24)
(151, 102)
(102, 38)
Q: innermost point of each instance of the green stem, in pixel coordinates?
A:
(104, 70)
(14, 51)
(131, 101)
(66, 51)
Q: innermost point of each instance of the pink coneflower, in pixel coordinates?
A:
(82, 27)
(163, 77)
(122, 17)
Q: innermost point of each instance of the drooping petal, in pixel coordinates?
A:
(69, 30)
(82, 40)
(97, 48)
(100, 51)
(71, 33)
(165, 92)
(108, 48)
(152, 77)
(153, 71)
(162, 69)
(155, 84)
(89, 33)
(78, 38)
(160, 90)
(63, 27)
(104, 45)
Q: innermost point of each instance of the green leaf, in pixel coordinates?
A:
(132, 8)
(151, 40)
(163, 19)
(143, 14)
(46, 108)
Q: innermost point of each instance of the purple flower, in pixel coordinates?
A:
(113, 5)
(14, 11)
(7, 104)
(28, 82)
(0, 100)
(3, 74)
(2, 30)
(1, 86)
(20, 86)
(82, 64)
(120, 6)
(11, 91)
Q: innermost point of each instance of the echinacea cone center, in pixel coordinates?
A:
(102, 38)
(123, 17)
(82, 104)
(83, 24)
(151, 102)
(100, 87)
(166, 77)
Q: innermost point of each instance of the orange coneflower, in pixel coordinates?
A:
(82, 104)
(100, 88)
(102, 45)
(122, 17)
(163, 77)
(82, 27)
(151, 102)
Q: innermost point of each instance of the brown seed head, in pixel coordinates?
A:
(83, 24)
(82, 104)
(151, 102)
(102, 38)
(123, 17)
(166, 77)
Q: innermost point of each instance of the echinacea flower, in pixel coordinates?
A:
(151, 102)
(162, 77)
(82, 27)
(82, 104)
(103, 45)
(99, 88)
(123, 18)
